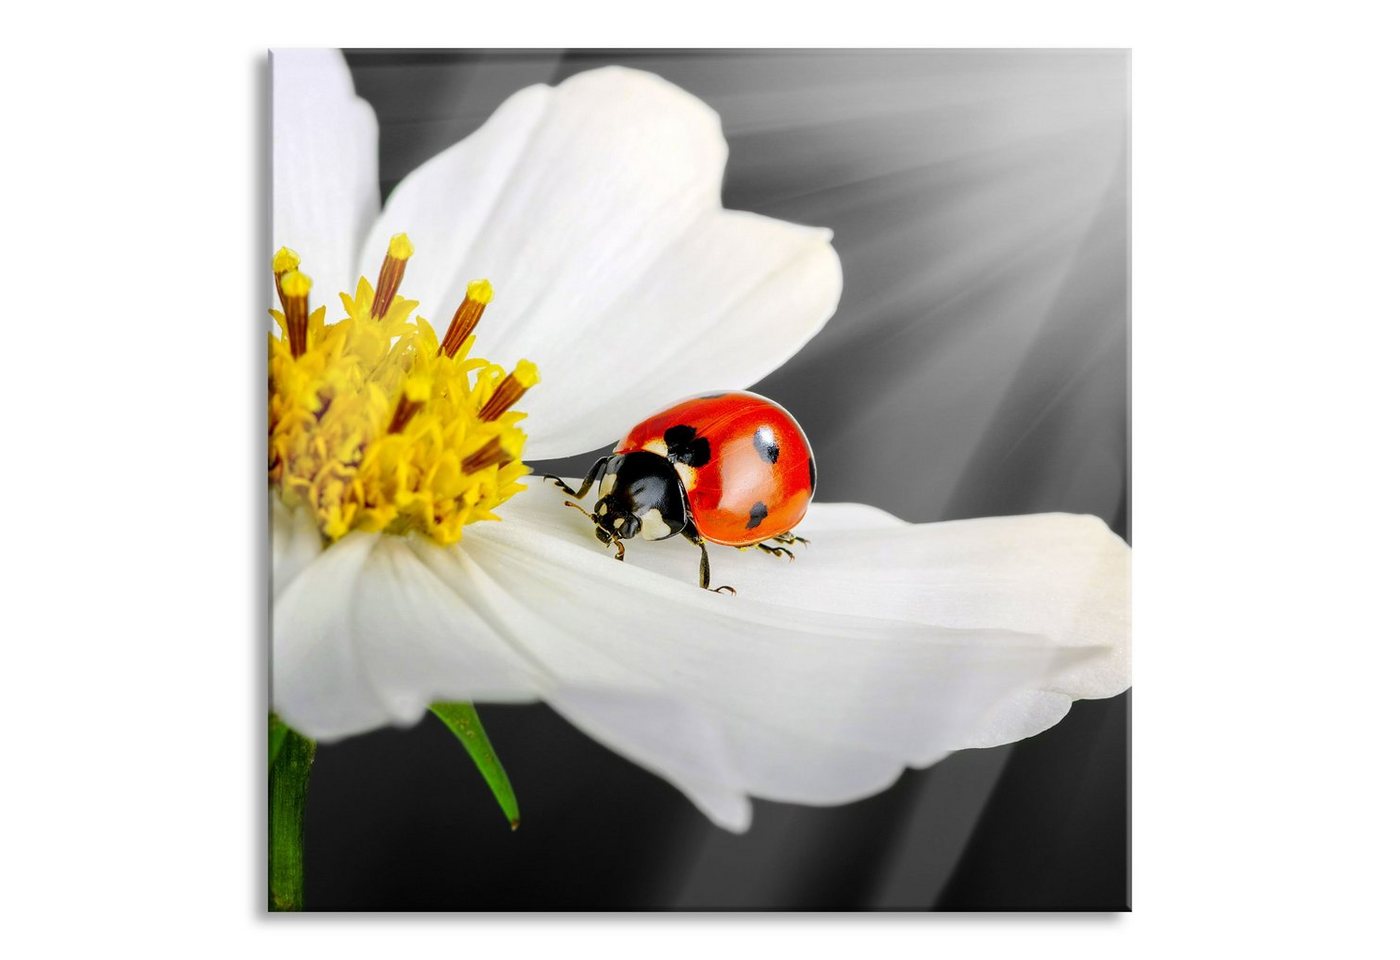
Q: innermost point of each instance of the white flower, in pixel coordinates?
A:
(594, 208)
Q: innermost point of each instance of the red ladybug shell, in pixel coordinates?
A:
(746, 465)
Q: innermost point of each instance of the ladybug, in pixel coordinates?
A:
(726, 468)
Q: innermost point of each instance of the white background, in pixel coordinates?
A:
(1265, 350)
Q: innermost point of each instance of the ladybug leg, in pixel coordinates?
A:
(593, 472)
(790, 538)
(705, 573)
(690, 534)
(775, 551)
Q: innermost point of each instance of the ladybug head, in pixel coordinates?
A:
(642, 494)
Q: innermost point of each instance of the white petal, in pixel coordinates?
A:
(1020, 716)
(370, 634)
(770, 694)
(295, 543)
(760, 698)
(1060, 576)
(325, 167)
(594, 208)
(319, 685)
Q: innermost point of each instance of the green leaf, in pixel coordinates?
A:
(276, 736)
(462, 720)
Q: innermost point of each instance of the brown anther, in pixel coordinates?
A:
(403, 413)
(510, 390)
(468, 314)
(295, 289)
(391, 273)
(490, 455)
(464, 321)
(296, 325)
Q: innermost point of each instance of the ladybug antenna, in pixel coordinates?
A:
(591, 516)
(603, 533)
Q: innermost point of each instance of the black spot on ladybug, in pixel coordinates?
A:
(812, 472)
(679, 435)
(683, 446)
(757, 513)
(766, 444)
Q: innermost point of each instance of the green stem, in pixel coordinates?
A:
(287, 780)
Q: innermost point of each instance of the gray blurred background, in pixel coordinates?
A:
(977, 366)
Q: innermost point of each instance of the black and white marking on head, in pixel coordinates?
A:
(645, 497)
(757, 514)
(766, 443)
(683, 446)
(656, 526)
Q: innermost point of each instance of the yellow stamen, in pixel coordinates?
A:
(295, 288)
(373, 428)
(481, 291)
(391, 273)
(284, 261)
(464, 321)
(511, 389)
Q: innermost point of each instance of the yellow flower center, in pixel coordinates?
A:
(375, 425)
